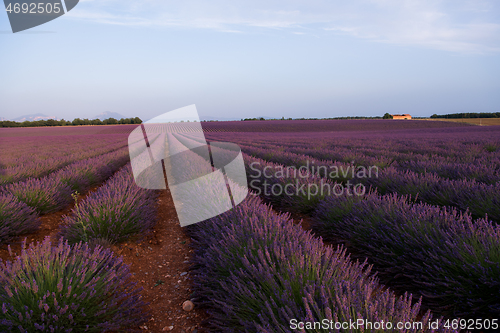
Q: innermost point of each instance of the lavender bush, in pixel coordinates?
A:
(16, 218)
(284, 186)
(68, 289)
(52, 193)
(44, 195)
(257, 271)
(483, 170)
(116, 211)
(440, 253)
(81, 175)
(468, 195)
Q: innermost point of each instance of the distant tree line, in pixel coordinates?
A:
(247, 119)
(75, 122)
(468, 115)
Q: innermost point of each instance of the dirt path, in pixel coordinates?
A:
(160, 265)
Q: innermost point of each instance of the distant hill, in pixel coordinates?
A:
(34, 117)
(2, 118)
(108, 114)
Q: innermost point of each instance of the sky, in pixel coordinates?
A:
(240, 59)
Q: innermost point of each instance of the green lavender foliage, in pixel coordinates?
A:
(67, 288)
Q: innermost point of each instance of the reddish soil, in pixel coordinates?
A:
(159, 264)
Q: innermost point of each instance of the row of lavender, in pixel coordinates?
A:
(459, 146)
(441, 254)
(456, 160)
(22, 202)
(36, 167)
(113, 213)
(81, 287)
(463, 150)
(483, 168)
(468, 195)
(436, 252)
(473, 161)
(21, 150)
(258, 272)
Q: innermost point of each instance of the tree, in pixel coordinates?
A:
(110, 121)
(77, 121)
(387, 116)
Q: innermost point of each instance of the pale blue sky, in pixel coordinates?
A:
(239, 59)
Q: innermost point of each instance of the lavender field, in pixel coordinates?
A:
(347, 221)
(426, 219)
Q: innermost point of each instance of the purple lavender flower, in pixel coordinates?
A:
(16, 218)
(257, 270)
(118, 297)
(116, 211)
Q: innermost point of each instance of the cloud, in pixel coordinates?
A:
(452, 26)
(461, 26)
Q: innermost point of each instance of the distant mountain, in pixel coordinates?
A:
(2, 119)
(34, 117)
(108, 114)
